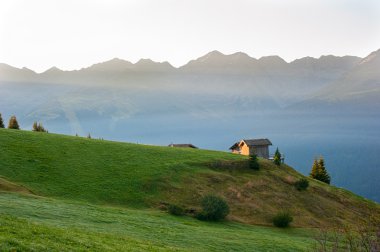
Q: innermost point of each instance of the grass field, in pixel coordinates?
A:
(33, 223)
(95, 170)
(71, 193)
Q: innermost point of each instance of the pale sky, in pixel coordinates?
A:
(72, 34)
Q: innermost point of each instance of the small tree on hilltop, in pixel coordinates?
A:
(1, 122)
(254, 162)
(38, 127)
(319, 172)
(315, 170)
(325, 177)
(13, 124)
(277, 158)
(35, 126)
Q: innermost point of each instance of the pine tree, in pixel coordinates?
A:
(254, 162)
(277, 158)
(1, 122)
(13, 124)
(314, 169)
(324, 176)
(319, 172)
(89, 136)
(35, 126)
(41, 128)
(38, 127)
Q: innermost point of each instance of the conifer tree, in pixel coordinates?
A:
(89, 136)
(35, 126)
(13, 124)
(315, 170)
(319, 172)
(324, 176)
(38, 127)
(253, 162)
(277, 158)
(1, 122)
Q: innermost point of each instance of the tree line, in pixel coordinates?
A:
(13, 124)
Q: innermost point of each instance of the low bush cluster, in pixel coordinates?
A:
(176, 210)
(282, 219)
(301, 184)
(214, 208)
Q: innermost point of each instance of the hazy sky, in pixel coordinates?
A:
(71, 34)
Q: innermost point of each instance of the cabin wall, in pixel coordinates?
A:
(260, 151)
(242, 150)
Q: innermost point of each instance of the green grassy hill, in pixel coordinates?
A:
(40, 224)
(115, 190)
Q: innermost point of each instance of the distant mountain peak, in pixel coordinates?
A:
(6, 66)
(114, 64)
(146, 62)
(240, 55)
(371, 57)
(215, 53)
(215, 59)
(53, 69)
(218, 54)
(116, 60)
(304, 60)
(272, 59)
(27, 70)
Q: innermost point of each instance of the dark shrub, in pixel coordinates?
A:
(282, 219)
(175, 210)
(254, 162)
(302, 184)
(214, 208)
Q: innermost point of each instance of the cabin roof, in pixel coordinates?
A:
(253, 142)
(183, 146)
(257, 142)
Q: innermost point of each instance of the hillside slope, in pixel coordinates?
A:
(123, 174)
(39, 224)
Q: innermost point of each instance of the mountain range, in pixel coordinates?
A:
(214, 82)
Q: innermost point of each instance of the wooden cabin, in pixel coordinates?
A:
(183, 146)
(260, 147)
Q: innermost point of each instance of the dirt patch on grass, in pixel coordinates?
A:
(8, 186)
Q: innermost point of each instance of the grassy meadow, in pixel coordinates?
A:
(40, 224)
(63, 193)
